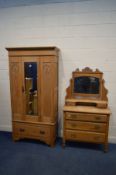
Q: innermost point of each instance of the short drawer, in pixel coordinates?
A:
(84, 136)
(23, 129)
(86, 117)
(28, 130)
(86, 126)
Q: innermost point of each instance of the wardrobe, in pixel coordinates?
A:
(34, 93)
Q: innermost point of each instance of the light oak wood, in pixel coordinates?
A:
(80, 116)
(16, 86)
(85, 136)
(86, 126)
(86, 117)
(97, 103)
(33, 51)
(87, 109)
(47, 70)
(42, 124)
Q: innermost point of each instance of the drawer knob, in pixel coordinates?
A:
(73, 125)
(42, 132)
(22, 130)
(73, 135)
(72, 115)
(97, 137)
(97, 127)
(97, 118)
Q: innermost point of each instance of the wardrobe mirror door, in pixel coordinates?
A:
(31, 94)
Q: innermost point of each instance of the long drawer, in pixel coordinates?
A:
(86, 126)
(84, 136)
(30, 130)
(85, 117)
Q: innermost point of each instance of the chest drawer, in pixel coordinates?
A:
(85, 136)
(86, 117)
(28, 130)
(86, 126)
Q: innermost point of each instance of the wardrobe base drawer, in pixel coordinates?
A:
(46, 133)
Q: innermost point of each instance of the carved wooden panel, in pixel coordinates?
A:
(47, 91)
(16, 87)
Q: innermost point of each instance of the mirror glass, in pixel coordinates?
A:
(30, 71)
(86, 85)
